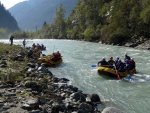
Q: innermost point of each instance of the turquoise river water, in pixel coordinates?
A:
(131, 96)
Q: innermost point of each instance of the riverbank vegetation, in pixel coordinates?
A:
(12, 69)
(107, 21)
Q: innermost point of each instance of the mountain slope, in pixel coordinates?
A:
(31, 14)
(7, 20)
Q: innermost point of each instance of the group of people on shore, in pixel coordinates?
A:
(11, 38)
(35, 50)
(118, 64)
(38, 46)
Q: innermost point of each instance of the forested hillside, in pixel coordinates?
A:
(108, 21)
(111, 21)
(31, 14)
(7, 22)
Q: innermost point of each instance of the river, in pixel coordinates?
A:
(132, 96)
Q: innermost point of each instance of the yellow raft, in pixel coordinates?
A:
(113, 73)
(50, 60)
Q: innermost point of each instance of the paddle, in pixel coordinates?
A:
(94, 65)
(118, 76)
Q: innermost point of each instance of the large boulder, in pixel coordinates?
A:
(78, 96)
(95, 98)
(86, 107)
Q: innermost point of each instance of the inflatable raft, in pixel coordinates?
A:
(114, 73)
(51, 60)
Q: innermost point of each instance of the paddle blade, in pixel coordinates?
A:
(118, 76)
(94, 66)
(128, 76)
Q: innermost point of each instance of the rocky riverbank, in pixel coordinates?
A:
(135, 42)
(138, 43)
(28, 86)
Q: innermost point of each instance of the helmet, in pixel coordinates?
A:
(103, 58)
(117, 57)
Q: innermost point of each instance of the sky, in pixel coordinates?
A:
(9, 3)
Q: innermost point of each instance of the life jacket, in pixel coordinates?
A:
(111, 62)
(121, 67)
(133, 64)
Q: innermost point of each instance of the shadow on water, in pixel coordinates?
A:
(137, 78)
(107, 76)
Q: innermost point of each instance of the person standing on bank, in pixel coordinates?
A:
(11, 40)
(24, 43)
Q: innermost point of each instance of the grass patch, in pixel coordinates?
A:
(12, 72)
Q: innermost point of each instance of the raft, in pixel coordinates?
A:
(50, 60)
(113, 73)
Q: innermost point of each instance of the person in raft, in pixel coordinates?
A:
(103, 63)
(126, 57)
(121, 66)
(111, 62)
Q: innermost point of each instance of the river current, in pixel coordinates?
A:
(131, 96)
